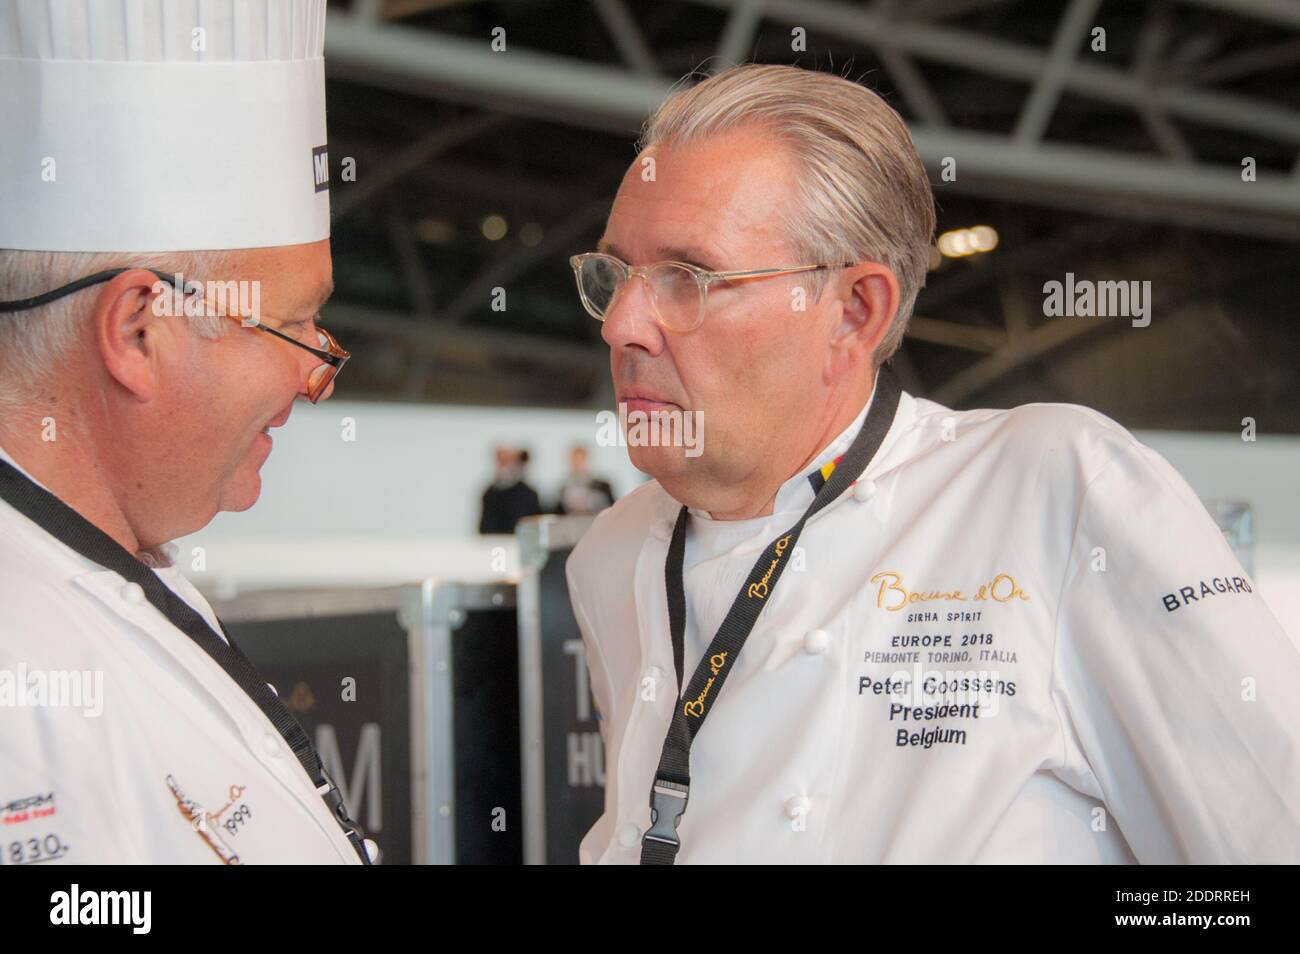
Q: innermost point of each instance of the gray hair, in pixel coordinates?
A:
(32, 342)
(863, 193)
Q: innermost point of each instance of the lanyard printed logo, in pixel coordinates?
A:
(696, 706)
(760, 589)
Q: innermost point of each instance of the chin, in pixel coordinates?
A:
(241, 493)
(661, 463)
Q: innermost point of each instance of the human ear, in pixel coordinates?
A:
(129, 320)
(866, 306)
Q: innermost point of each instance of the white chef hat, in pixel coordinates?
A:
(162, 125)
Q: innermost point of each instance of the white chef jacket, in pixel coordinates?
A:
(175, 737)
(1019, 637)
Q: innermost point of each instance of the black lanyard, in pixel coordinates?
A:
(671, 788)
(69, 527)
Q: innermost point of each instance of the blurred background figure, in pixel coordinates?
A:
(508, 499)
(583, 493)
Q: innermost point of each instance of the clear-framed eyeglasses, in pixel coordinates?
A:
(678, 291)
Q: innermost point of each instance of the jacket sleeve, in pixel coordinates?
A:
(1177, 688)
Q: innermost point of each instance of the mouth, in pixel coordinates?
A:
(646, 401)
(278, 421)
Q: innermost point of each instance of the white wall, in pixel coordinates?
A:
(401, 502)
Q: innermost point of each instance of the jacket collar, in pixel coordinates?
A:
(107, 585)
(8, 459)
(162, 556)
(797, 493)
(69, 560)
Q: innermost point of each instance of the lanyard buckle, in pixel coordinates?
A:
(333, 799)
(667, 806)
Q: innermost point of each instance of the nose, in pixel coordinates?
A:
(304, 365)
(630, 321)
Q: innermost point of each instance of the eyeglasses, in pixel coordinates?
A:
(318, 381)
(678, 291)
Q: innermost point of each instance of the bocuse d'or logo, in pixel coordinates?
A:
(760, 589)
(892, 595)
(696, 706)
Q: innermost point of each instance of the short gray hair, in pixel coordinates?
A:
(864, 193)
(32, 342)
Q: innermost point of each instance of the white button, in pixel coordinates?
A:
(372, 850)
(629, 836)
(663, 529)
(655, 674)
(271, 744)
(797, 806)
(864, 490)
(816, 642)
(132, 593)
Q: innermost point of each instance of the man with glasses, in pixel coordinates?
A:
(138, 400)
(863, 627)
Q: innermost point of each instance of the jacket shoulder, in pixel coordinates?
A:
(1070, 436)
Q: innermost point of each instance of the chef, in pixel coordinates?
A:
(861, 626)
(164, 251)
